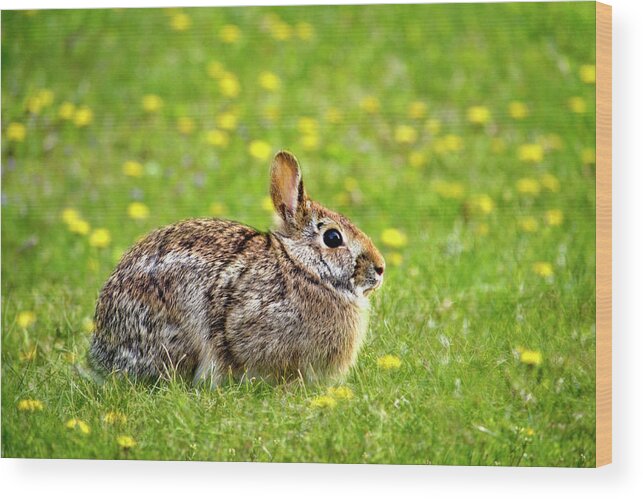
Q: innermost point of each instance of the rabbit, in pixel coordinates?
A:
(210, 298)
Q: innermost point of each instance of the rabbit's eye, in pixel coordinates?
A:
(332, 238)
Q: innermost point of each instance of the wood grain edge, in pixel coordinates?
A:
(603, 234)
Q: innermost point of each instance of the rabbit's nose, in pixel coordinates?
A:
(379, 270)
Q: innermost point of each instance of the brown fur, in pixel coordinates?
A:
(207, 297)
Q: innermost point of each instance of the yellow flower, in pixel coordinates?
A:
(260, 149)
(100, 238)
(449, 190)
(29, 354)
(483, 203)
(370, 104)
(550, 182)
(395, 259)
(323, 401)
(30, 405)
(334, 115)
(577, 105)
(138, 211)
(185, 125)
(543, 269)
(588, 156)
(530, 153)
(79, 226)
(16, 132)
(281, 31)
(229, 85)
(417, 159)
(307, 125)
(528, 186)
(217, 138)
(310, 142)
(216, 69)
(530, 357)
(433, 125)
(394, 238)
(554, 217)
(217, 209)
(405, 134)
(180, 21)
(478, 115)
(341, 392)
(26, 318)
(125, 442)
(518, 110)
(227, 120)
(266, 204)
(66, 111)
(528, 224)
(133, 169)
(305, 31)
(529, 432)
(83, 116)
(115, 417)
(78, 424)
(69, 215)
(389, 362)
(587, 73)
(152, 103)
(417, 110)
(269, 81)
(448, 143)
(88, 325)
(230, 33)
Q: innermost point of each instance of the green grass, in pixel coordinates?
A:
(461, 298)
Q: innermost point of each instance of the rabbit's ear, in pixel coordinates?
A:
(286, 186)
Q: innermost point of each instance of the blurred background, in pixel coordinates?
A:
(461, 138)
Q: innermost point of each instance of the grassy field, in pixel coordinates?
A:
(461, 138)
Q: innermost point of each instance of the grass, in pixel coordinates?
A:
(411, 124)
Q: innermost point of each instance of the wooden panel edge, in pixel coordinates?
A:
(603, 234)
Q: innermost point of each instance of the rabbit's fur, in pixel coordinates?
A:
(207, 298)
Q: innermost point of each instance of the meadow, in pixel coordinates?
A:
(461, 138)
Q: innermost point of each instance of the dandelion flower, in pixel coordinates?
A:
(550, 182)
(388, 362)
(341, 392)
(395, 259)
(310, 142)
(125, 442)
(114, 417)
(266, 204)
(30, 405)
(229, 85)
(528, 224)
(394, 238)
(230, 33)
(531, 357)
(528, 186)
(448, 143)
(405, 134)
(152, 103)
(307, 125)
(269, 81)
(281, 31)
(417, 159)
(323, 401)
(449, 190)
(577, 105)
(478, 115)
(588, 156)
(370, 104)
(66, 111)
(530, 153)
(554, 218)
(83, 116)
(216, 70)
(79, 226)
(518, 110)
(543, 269)
(260, 149)
(587, 73)
(217, 138)
(69, 215)
(88, 325)
(79, 425)
(217, 209)
(26, 318)
(138, 211)
(100, 238)
(185, 125)
(483, 203)
(305, 31)
(180, 21)
(417, 110)
(132, 169)
(16, 132)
